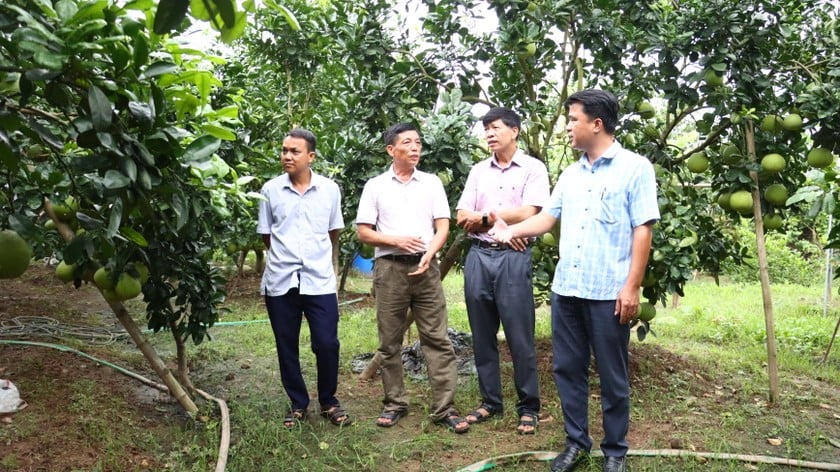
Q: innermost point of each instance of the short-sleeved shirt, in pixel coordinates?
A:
(403, 208)
(491, 187)
(300, 255)
(599, 206)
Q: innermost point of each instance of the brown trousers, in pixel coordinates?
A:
(396, 292)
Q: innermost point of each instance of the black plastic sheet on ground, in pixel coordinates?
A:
(414, 362)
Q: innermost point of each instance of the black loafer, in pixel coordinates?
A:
(567, 460)
(615, 464)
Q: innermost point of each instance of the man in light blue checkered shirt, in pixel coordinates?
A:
(606, 204)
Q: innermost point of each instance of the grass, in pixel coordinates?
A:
(700, 383)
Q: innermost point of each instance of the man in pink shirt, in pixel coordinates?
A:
(497, 276)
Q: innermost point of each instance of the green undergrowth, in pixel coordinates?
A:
(701, 383)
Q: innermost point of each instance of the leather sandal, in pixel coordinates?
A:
(293, 418)
(481, 418)
(527, 419)
(452, 420)
(393, 416)
(337, 415)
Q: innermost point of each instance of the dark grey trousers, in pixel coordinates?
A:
(498, 288)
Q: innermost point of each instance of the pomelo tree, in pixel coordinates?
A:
(111, 134)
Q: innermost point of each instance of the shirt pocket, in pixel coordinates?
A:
(609, 206)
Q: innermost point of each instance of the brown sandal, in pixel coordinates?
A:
(337, 415)
(293, 418)
(452, 420)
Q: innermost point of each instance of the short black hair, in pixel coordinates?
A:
(508, 117)
(390, 134)
(597, 104)
(305, 135)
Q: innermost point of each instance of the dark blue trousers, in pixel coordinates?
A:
(286, 313)
(580, 327)
(498, 289)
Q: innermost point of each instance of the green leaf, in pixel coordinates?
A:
(287, 14)
(201, 149)
(227, 10)
(220, 132)
(199, 11)
(159, 68)
(100, 108)
(115, 179)
(140, 54)
(115, 218)
(169, 15)
(88, 222)
(182, 210)
(46, 136)
(66, 9)
(232, 33)
(134, 236)
(142, 113)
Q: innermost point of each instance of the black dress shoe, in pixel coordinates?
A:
(567, 460)
(615, 464)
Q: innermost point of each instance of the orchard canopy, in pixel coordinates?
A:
(146, 151)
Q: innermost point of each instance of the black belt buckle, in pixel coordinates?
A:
(404, 258)
(488, 245)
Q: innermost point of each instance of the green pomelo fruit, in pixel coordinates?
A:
(127, 287)
(646, 110)
(697, 163)
(713, 79)
(773, 163)
(776, 194)
(102, 279)
(64, 272)
(820, 157)
(741, 201)
(730, 154)
(15, 254)
(772, 221)
(771, 123)
(792, 122)
(647, 311)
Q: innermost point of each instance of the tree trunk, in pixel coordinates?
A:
(259, 265)
(343, 280)
(376, 361)
(181, 351)
(763, 272)
(240, 260)
(154, 360)
(452, 254)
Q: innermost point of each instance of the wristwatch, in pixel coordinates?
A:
(484, 220)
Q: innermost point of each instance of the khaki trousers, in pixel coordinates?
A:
(395, 293)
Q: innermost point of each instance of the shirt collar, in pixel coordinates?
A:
(610, 153)
(415, 174)
(287, 182)
(517, 157)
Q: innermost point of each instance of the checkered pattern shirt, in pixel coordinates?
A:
(598, 206)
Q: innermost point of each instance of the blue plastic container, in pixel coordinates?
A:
(365, 266)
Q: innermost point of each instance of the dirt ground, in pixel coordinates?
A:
(45, 436)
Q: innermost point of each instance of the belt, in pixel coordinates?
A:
(494, 245)
(404, 258)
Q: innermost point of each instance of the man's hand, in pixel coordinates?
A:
(423, 266)
(409, 244)
(470, 221)
(627, 304)
(501, 232)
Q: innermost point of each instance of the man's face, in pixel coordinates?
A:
(406, 149)
(581, 128)
(500, 136)
(296, 156)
